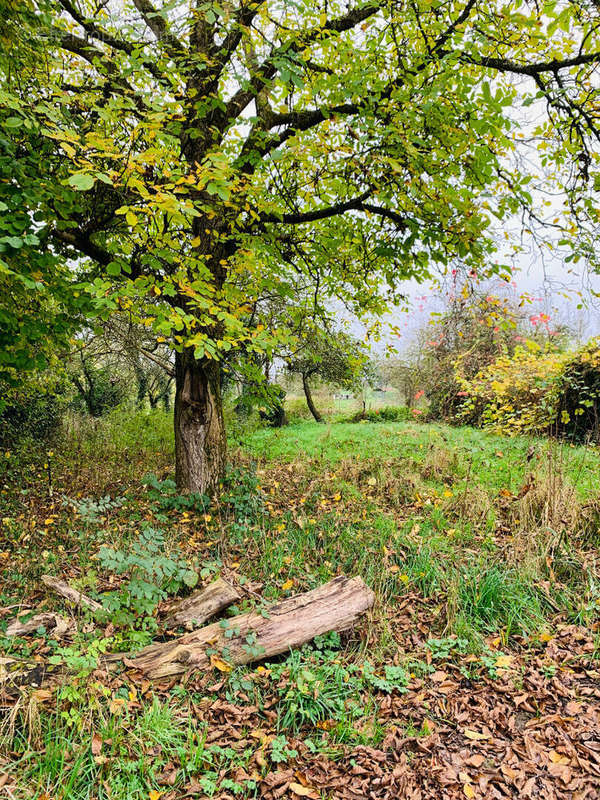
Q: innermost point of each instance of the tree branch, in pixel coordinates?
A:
(267, 70)
(102, 35)
(159, 27)
(84, 245)
(168, 368)
(506, 65)
(354, 204)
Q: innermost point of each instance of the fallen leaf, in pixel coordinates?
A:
(303, 791)
(476, 737)
(96, 744)
(219, 664)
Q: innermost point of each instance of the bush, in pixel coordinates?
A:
(386, 414)
(33, 410)
(578, 412)
(536, 390)
(518, 394)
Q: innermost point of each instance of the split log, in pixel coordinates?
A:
(52, 622)
(194, 610)
(335, 606)
(68, 592)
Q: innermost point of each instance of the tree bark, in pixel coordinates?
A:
(191, 612)
(200, 443)
(73, 595)
(309, 400)
(335, 606)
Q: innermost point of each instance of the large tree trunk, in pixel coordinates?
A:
(200, 443)
(309, 401)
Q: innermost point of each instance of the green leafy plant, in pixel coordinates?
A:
(281, 752)
(165, 496)
(149, 573)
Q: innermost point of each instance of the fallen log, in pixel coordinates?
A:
(194, 610)
(335, 606)
(52, 622)
(68, 592)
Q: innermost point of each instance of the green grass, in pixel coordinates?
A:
(493, 461)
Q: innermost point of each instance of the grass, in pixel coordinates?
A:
(498, 462)
(469, 536)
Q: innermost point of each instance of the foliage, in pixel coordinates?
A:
(384, 414)
(165, 496)
(474, 331)
(537, 389)
(150, 575)
(180, 171)
(335, 357)
(33, 410)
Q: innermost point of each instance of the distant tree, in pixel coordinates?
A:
(334, 357)
(476, 328)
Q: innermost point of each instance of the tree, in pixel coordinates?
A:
(183, 156)
(336, 357)
(476, 329)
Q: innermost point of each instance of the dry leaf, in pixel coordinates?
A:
(303, 791)
(219, 664)
(96, 744)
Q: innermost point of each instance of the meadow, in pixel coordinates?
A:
(475, 673)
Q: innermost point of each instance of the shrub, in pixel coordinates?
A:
(518, 394)
(538, 389)
(150, 574)
(385, 414)
(33, 410)
(578, 413)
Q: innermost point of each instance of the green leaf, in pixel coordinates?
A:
(82, 181)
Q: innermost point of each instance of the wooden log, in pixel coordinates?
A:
(194, 610)
(71, 594)
(52, 622)
(335, 606)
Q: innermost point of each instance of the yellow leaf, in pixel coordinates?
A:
(154, 795)
(474, 735)
(545, 637)
(556, 758)
(468, 790)
(504, 661)
(219, 664)
(196, 242)
(287, 585)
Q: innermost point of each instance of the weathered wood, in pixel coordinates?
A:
(68, 592)
(52, 622)
(194, 610)
(335, 606)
